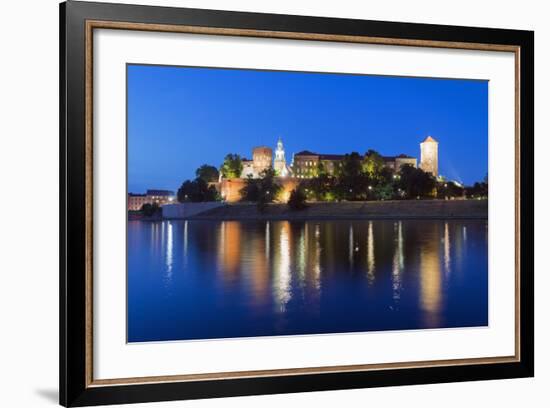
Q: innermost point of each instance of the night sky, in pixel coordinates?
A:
(180, 118)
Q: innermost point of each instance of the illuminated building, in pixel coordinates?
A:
(136, 201)
(395, 162)
(160, 197)
(428, 155)
(262, 158)
(248, 168)
(307, 164)
(279, 165)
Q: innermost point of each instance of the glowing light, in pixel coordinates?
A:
(447, 249)
(281, 279)
(169, 248)
(169, 255)
(370, 254)
(185, 241)
(398, 262)
(317, 263)
(267, 239)
(430, 278)
(350, 243)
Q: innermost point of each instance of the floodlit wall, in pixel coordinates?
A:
(230, 189)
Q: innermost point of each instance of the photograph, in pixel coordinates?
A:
(284, 203)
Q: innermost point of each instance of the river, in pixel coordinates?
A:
(222, 279)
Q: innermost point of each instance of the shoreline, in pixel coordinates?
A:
(332, 218)
(342, 211)
(356, 210)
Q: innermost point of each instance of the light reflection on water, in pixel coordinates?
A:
(209, 279)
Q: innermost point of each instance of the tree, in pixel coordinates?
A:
(373, 164)
(478, 190)
(352, 182)
(297, 200)
(251, 189)
(415, 182)
(197, 190)
(208, 173)
(321, 169)
(321, 187)
(383, 191)
(150, 209)
(269, 188)
(232, 166)
(449, 189)
(262, 190)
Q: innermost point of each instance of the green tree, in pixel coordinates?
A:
(251, 189)
(321, 169)
(262, 190)
(297, 199)
(232, 166)
(415, 182)
(373, 164)
(352, 183)
(150, 209)
(384, 191)
(269, 188)
(197, 190)
(449, 189)
(208, 173)
(478, 190)
(320, 188)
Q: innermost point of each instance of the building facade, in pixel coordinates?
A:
(160, 197)
(248, 168)
(429, 156)
(396, 162)
(262, 158)
(136, 201)
(308, 164)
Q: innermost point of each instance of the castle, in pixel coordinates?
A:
(305, 164)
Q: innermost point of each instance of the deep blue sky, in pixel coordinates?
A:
(180, 118)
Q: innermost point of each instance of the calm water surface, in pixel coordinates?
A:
(219, 279)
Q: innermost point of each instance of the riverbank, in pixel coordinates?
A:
(406, 209)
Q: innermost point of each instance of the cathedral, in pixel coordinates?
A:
(280, 166)
(262, 159)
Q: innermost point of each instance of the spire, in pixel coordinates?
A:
(280, 162)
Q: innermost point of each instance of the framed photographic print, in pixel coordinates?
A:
(256, 203)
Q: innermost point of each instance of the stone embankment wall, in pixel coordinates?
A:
(419, 209)
(186, 210)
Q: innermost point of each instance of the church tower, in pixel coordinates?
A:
(429, 156)
(280, 162)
